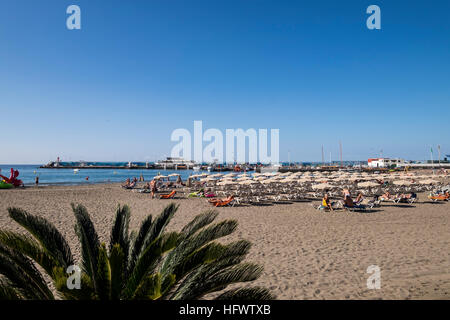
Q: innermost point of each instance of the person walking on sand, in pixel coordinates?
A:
(153, 188)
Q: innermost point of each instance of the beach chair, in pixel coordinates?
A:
(168, 196)
(223, 203)
(439, 197)
(402, 199)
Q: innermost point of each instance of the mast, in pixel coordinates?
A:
(323, 160)
(340, 153)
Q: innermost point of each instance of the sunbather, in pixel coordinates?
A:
(326, 203)
(349, 203)
(127, 183)
(387, 197)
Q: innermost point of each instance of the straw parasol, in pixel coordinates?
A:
(322, 186)
(428, 181)
(402, 183)
(229, 175)
(368, 184)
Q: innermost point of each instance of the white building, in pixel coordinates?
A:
(385, 162)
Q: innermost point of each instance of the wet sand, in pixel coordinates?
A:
(306, 253)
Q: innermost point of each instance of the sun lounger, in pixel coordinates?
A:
(224, 203)
(406, 199)
(168, 196)
(439, 197)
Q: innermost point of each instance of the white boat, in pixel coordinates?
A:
(196, 168)
(175, 163)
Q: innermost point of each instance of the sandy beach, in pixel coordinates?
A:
(306, 253)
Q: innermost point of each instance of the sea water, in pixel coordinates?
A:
(28, 173)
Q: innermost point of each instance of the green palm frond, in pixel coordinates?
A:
(209, 253)
(138, 242)
(23, 275)
(148, 264)
(86, 292)
(29, 247)
(215, 276)
(240, 294)
(89, 241)
(149, 289)
(199, 222)
(119, 231)
(149, 259)
(47, 235)
(187, 246)
(159, 225)
(7, 291)
(103, 277)
(117, 263)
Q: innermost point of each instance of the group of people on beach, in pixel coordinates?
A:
(347, 202)
(152, 186)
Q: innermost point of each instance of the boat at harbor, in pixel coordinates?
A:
(175, 164)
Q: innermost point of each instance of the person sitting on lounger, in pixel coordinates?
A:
(127, 183)
(386, 196)
(326, 203)
(349, 203)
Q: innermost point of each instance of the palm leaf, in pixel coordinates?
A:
(138, 242)
(216, 276)
(119, 231)
(29, 247)
(7, 291)
(89, 241)
(186, 247)
(103, 278)
(150, 288)
(148, 261)
(240, 294)
(159, 225)
(117, 263)
(48, 236)
(86, 292)
(22, 274)
(199, 222)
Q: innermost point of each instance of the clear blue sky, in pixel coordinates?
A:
(137, 70)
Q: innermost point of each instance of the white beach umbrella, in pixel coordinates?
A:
(368, 184)
(247, 182)
(428, 181)
(159, 177)
(229, 175)
(403, 183)
(322, 186)
(260, 178)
